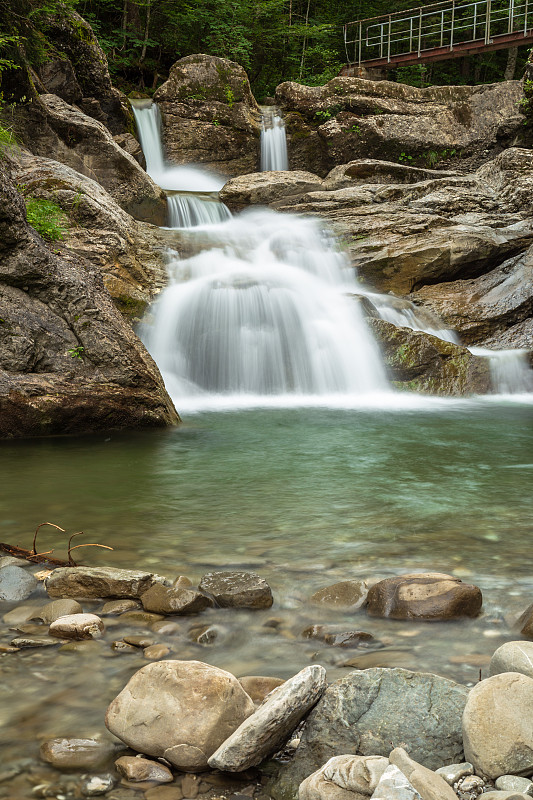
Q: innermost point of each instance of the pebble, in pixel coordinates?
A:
(143, 769)
(190, 786)
(454, 772)
(71, 754)
(77, 626)
(139, 641)
(97, 784)
(119, 607)
(119, 646)
(34, 641)
(156, 651)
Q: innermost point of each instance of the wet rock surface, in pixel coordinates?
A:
(343, 595)
(16, 584)
(171, 600)
(237, 589)
(72, 754)
(77, 626)
(430, 596)
(99, 582)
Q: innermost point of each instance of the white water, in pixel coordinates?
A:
(509, 369)
(192, 207)
(273, 141)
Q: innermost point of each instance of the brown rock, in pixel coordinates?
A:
(258, 686)
(428, 784)
(346, 777)
(171, 600)
(143, 769)
(58, 608)
(164, 793)
(429, 596)
(260, 188)
(115, 607)
(69, 754)
(139, 641)
(237, 589)
(525, 622)
(208, 702)
(190, 786)
(77, 626)
(156, 652)
(120, 646)
(99, 582)
(346, 594)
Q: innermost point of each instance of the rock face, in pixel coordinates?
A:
(208, 702)
(353, 118)
(344, 778)
(366, 711)
(129, 254)
(513, 657)
(498, 725)
(99, 582)
(418, 361)
(49, 125)
(430, 596)
(237, 589)
(265, 731)
(68, 361)
(210, 115)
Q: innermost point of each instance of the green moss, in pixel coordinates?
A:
(129, 306)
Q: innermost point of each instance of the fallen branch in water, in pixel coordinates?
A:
(44, 558)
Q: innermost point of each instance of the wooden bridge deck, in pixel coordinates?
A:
(437, 32)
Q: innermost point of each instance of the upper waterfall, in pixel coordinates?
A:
(273, 141)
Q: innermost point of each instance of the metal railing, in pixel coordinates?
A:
(445, 25)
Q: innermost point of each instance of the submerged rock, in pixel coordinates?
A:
(58, 608)
(429, 596)
(72, 754)
(259, 686)
(208, 702)
(368, 710)
(345, 594)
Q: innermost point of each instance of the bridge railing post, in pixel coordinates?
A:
(487, 22)
(452, 24)
(388, 38)
(360, 41)
(420, 32)
(525, 19)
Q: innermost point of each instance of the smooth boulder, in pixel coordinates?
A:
(367, 710)
(426, 596)
(498, 725)
(345, 777)
(179, 710)
(77, 626)
(16, 584)
(171, 600)
(513, 657)
(265, 731)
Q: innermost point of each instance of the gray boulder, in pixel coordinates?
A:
(366, 711)
(237, 589)
(16, 584)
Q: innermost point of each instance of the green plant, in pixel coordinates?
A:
(46, 217)
(230, 97)
(405, 158)
(356, 129)
(323, 115)
(7, 141)
(216, 123)
(76, 352)
(432, 158)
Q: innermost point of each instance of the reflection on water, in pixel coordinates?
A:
(306, 497)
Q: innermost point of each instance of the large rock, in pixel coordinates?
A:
(50, 127)
(513, 657)
(350, 117)
(344, 778)
(210, 115)
(261, 188)
(498, 725)
(367, 711)
(68, 361)
(418, 361)
(237, 589)
(179, 710)
(429, 596)
(16, 584)
(174, 600)
(265, 731)
(99, 582)
(131, 255)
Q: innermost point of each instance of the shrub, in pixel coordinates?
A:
(46, 217)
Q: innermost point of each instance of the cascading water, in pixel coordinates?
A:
(263, 312)
(193, 200)
(273, 141)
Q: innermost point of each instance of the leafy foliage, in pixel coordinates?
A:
(46, 217)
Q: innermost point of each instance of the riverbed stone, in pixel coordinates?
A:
(96, 785)
(525, 622)
(345, 777)
(74, 754)
(454, 772)
(20, 614)
(143, 769)
(429, 596)
(513, 657)
(498, 725)
(209, 703)
(116, 607)
(265, 731)
(427, 783)
(77, 626)
(58, 608)
(497, 795)
(513, 783)
(393, 785)
(259, 686)
(16, 584)
(155, 652)
(365, 711)
(171, 600)
(344, 595)
(100, 582)
(237, 589)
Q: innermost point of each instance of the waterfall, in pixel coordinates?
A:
(263, 311)
(509, 369)
(197, 204)
(273, 141)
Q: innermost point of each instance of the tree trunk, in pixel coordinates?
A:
(512, 57)
(304, 45)
(146, 31)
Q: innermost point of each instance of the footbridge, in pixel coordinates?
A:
(437, 32)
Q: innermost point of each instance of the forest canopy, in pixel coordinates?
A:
(274, 40)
